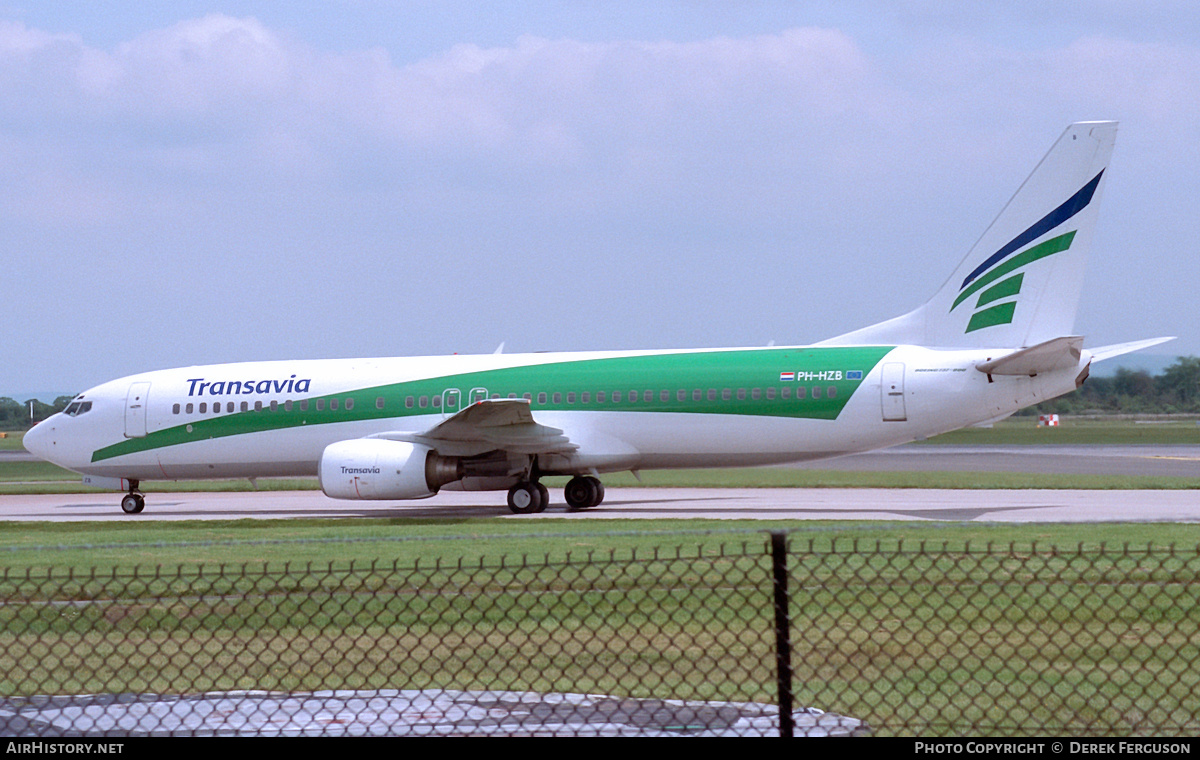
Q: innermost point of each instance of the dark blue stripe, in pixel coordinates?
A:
(1073, 206)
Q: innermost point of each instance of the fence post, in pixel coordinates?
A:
(783, 647)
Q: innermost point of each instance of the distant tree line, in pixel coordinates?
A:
(1175, 391)
(14, 415)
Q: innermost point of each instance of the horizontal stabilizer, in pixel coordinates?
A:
(1059, 353)
(1108, 352)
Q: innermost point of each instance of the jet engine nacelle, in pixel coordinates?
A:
(370, 468)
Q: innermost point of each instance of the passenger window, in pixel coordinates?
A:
(246, 405)
(542, 398)
(175, 409)
(408, 402)
(379, 402)
(188, 409)
(585, 397)
(423, 401)
(204, 407)
(681, 395)
(229, 407)
(756, 394)
(258, 406)
(816, 391)
(785, 392)
(333, 404)
(712, 394)
(320, 404)
(741, 394)
(558, 398)
(287, 405)
(599, 397)
(696, 395)
(831, 392)
(274, 406)
(664, 396)
(571, 397)
(799, 392)
(437, 402)
(726, 394)
(633, 397)
(616, 397)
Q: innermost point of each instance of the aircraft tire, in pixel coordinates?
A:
(578, 493)
(133, 503)
(526, 499)
(544, 494)
(583, 493)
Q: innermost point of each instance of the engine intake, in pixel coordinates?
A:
(370, 468)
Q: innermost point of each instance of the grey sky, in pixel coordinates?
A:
(200, 182)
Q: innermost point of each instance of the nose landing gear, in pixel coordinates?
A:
(134, 502)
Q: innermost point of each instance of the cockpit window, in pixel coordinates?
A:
(76, 408)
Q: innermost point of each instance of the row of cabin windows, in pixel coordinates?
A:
(633, 397)
(584, 397)
(230, 406)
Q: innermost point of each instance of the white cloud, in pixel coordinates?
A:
(748, 169)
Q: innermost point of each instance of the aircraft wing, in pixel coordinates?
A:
(487, 425)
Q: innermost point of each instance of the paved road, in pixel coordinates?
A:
(788, 503)
(1139, 459)
(716, 503)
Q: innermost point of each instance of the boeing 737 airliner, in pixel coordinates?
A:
(998, 336)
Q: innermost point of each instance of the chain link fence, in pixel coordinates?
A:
(914, 639)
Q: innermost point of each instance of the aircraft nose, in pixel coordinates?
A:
(39, 440)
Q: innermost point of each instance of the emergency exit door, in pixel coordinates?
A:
(892, 390)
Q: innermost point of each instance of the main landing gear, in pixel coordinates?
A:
(583, 493)
(529, 497)
(134, 502)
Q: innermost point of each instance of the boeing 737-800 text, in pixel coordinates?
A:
(998, 336)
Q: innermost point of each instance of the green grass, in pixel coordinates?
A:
(929, 630)
(108, 545)
(906, 625)
(1078, 431)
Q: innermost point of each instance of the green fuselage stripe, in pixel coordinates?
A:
(747, 382)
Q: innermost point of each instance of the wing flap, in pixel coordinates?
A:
(488, 425)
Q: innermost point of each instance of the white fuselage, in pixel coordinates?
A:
(909, 394)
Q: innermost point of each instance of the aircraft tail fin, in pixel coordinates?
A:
(1020, 284)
